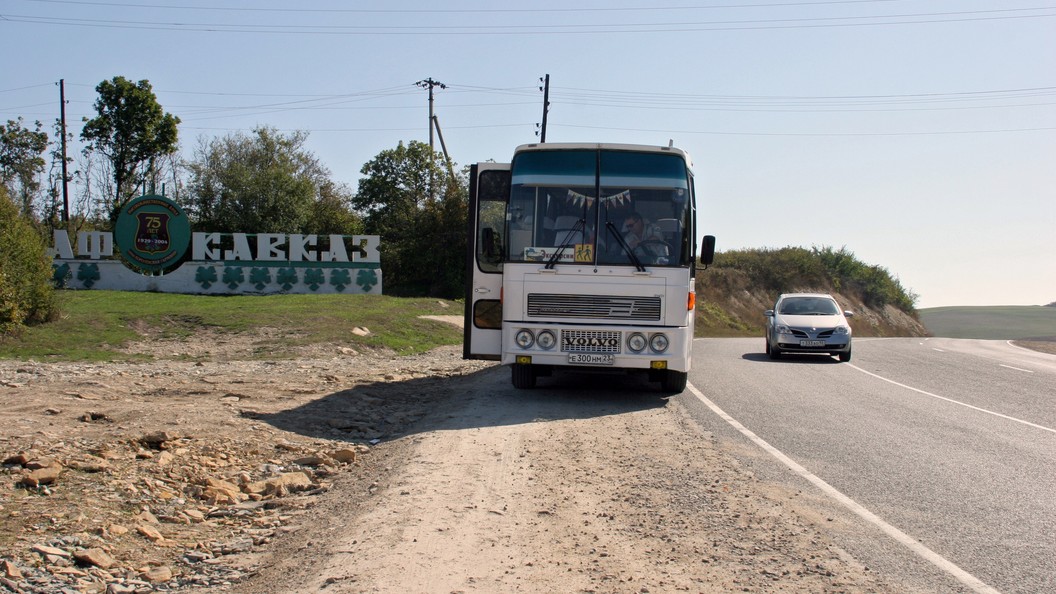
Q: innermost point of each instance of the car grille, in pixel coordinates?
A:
(590, 341)
(803, 334)
(599, 307)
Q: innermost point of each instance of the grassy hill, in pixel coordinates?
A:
(1028, 322)
(733, 293)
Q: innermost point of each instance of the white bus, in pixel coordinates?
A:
(583, 256)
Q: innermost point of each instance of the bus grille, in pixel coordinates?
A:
(599, 307)
(590, 341)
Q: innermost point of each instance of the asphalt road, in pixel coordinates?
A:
(933, 460)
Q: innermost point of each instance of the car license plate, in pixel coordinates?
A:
(591, 359)
(812, 343)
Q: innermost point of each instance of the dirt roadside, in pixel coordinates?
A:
(362, 472)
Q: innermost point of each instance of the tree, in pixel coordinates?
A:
(26, 293)
(21, 162)
(445, 222)
(131, 131)
(419, 212)
(266, 182)
(332, 212)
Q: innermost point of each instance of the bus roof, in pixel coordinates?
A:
(642, 148)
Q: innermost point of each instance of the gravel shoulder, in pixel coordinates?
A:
(341, 471)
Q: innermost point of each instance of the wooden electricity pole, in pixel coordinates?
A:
(62, 127)
(429, 84)
(447, 156)
(546, 105)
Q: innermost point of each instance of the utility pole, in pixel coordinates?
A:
(62, 127)
(447, 156)
(429, 83)
(546, 105)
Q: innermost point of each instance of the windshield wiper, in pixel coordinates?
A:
(580, 223)
(626, 248)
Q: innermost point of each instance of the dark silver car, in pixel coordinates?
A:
(808, 323)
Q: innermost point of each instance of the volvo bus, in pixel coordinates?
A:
(583, 257)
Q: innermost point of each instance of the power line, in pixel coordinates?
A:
(608, 92)
(555, 29)
(822, 134)
(651, 9)
(37, 86)
(622, 99)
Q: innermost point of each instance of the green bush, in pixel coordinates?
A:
(778, 271)
(26, 293)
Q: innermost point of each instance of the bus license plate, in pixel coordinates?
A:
(812, 343)
(591, 359)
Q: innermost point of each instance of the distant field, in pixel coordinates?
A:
(1007, 322)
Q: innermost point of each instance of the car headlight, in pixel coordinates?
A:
(782, 329)
(841, 330)
(546, 339)
(659, 342)
(636, 342)
(524, 339)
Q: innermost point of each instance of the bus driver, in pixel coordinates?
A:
(636, 230)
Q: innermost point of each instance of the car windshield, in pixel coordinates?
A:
(808, 306)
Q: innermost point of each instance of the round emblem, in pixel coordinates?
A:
(152, 233)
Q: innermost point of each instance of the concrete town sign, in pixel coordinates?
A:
(153, 235)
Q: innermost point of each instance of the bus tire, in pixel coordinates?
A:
(674, 381)
(523, 376)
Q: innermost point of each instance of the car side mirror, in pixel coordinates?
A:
(848, 313)
(769, 313)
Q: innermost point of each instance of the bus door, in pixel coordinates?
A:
(489, 193)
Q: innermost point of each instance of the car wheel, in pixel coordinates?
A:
(845, 357)
(674, 382)
(523, 376)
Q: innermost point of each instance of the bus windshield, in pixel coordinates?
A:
(600, 207)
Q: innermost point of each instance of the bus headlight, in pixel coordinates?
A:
(636, 342)
(524, 339)
(659, 342)
(546, 339)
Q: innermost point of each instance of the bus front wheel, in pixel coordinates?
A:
(523, 376)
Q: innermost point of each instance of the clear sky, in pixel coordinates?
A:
(918, 134)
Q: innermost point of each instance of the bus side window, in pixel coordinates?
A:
(489, 243)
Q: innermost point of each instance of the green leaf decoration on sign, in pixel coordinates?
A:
(366, 279)
(340, 278)
(233, 277)
(260, 277)
(88, 274)
(61, 275)
(287, 277)
(313, 277)
(205, 276)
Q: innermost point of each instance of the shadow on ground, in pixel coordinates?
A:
(383, 411)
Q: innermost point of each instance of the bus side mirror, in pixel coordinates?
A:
(487, 239)
(707, 250)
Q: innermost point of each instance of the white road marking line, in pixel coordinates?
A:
(1016, 368)
(962, 576)
(1009, 343)
(957, 402)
